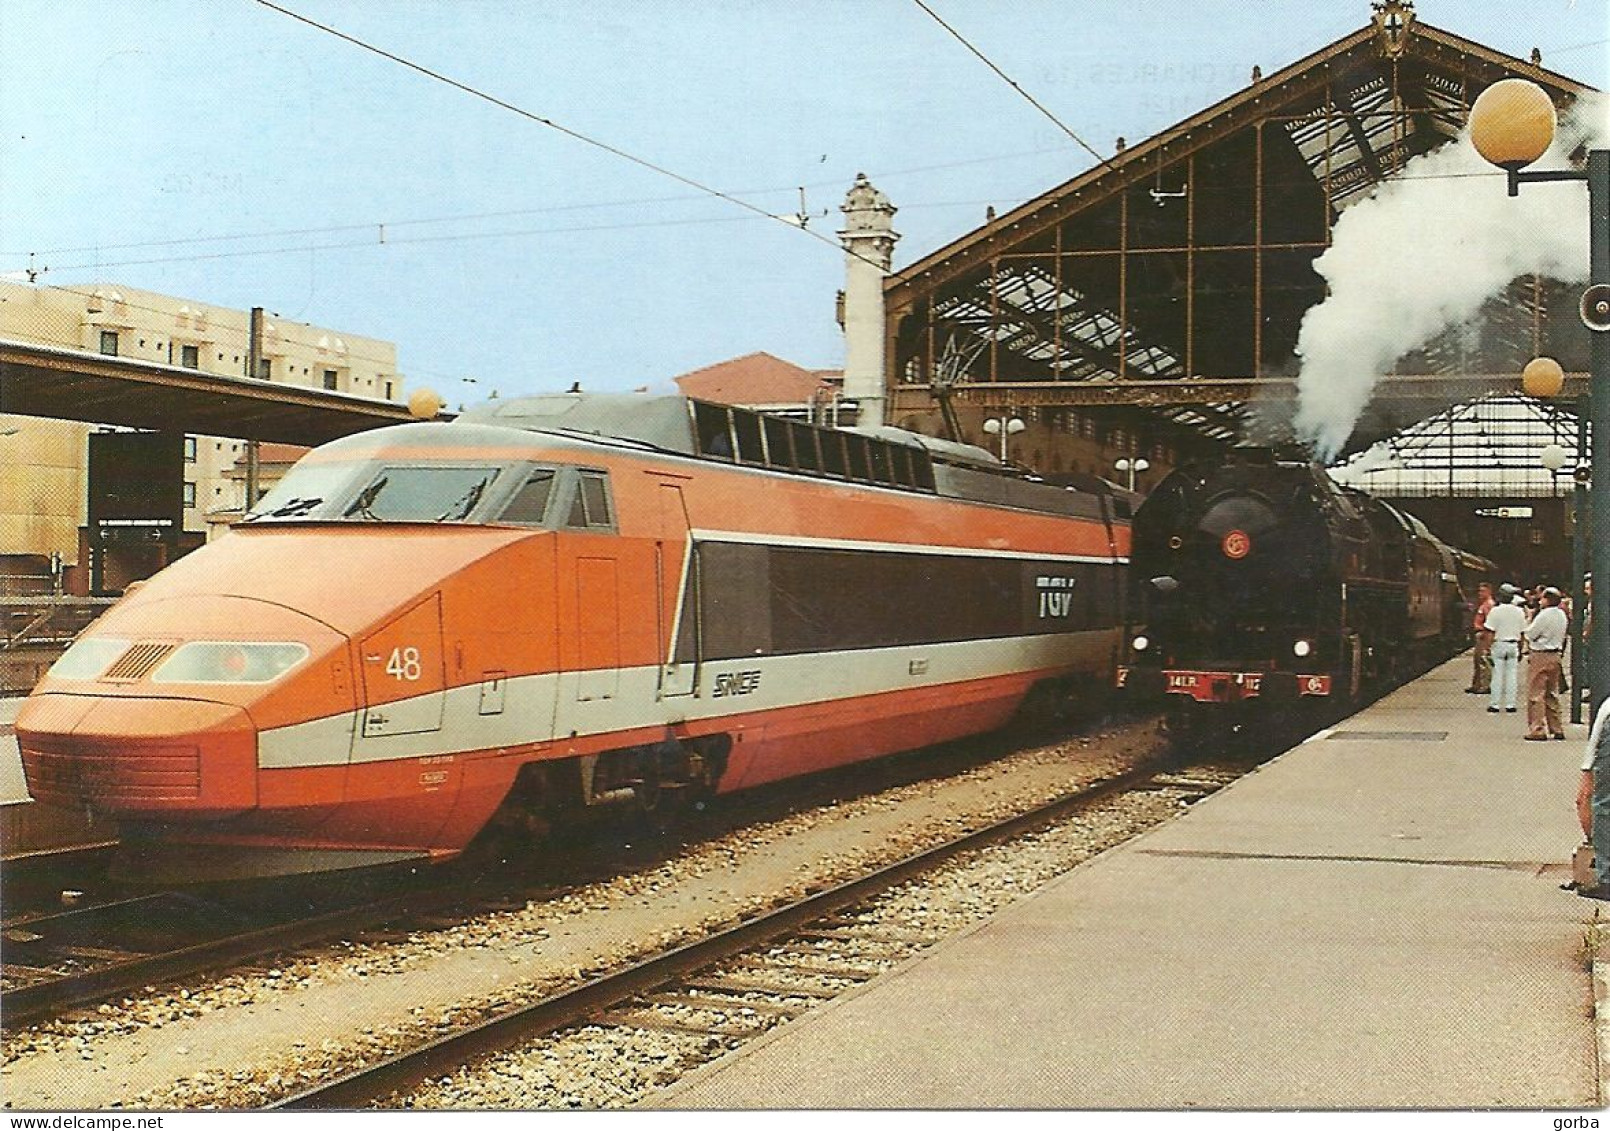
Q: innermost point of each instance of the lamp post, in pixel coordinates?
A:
(1543, 377)
(1004, 426)
(1131, 466)
(1512, 125)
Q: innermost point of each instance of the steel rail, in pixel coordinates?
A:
(30, 1003)
(558, 1011)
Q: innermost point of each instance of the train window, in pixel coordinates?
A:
(882, 472)
(746, 426)
(779, 452)
(530, 502)
(590, 509)
(900, 464)
(713, 423)
(421, 494)
(833, 461)
(860, 466)
(308, 491)
(806, 455)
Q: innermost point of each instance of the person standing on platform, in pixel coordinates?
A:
(1596, 818)
(1545, 640)
(1506, 622)
(1481, 651)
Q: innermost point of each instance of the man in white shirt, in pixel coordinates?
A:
(1506, 622)
(1545, 639)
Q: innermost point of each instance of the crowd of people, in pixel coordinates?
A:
(1512, 623)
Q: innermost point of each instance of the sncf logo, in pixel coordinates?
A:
(735, 683)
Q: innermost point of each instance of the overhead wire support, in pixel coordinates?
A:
(551, 124)
(1006, 78)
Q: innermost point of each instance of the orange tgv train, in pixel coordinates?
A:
(565, 601)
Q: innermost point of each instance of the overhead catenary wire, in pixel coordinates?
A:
(470, 217)
(576, 135)
(985, 59)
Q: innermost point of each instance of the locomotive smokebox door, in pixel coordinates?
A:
(1278, 687)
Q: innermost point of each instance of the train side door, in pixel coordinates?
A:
(676, 583)
(403, 674)
(598, 633)
(590, 613)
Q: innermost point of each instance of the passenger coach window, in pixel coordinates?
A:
(590, 508)
(530, 502)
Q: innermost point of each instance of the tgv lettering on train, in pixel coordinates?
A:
(1056, 596)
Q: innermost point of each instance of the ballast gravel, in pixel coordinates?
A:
(247, 1037)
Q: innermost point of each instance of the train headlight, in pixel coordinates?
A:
(1302, 649)
(1140, 643)
(88, 658)
(225, 661)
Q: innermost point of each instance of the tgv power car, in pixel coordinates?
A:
(565, 601)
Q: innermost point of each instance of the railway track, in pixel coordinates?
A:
(55, 958)
(738, 982)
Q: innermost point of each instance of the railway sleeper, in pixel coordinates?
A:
(749, 986)
(619, 1019)
(729, 1003)
(890, 940)
(787, 963)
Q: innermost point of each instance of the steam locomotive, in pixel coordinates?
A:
(561, 603)
(1257, 584)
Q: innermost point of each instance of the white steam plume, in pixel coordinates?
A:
(1421, 255)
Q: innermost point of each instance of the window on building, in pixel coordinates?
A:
(190, 357)
(109, 342)
(265, 368)
(190, 449)
(189, 494)
(388, 389)
(330, 377)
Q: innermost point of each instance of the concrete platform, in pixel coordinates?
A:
(1373, 920)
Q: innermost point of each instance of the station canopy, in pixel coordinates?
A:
(1175, 275)
(1488, 448)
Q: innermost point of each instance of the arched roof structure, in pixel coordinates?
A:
(1175, 275)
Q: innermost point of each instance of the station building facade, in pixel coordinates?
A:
(44, 464)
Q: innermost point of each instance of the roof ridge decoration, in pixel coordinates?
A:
(1394, 20)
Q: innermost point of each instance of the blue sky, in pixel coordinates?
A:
(143, 142)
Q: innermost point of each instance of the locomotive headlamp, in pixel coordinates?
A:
(224, 661)
(1302, 648)
(88, 658)
(1141, 643)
